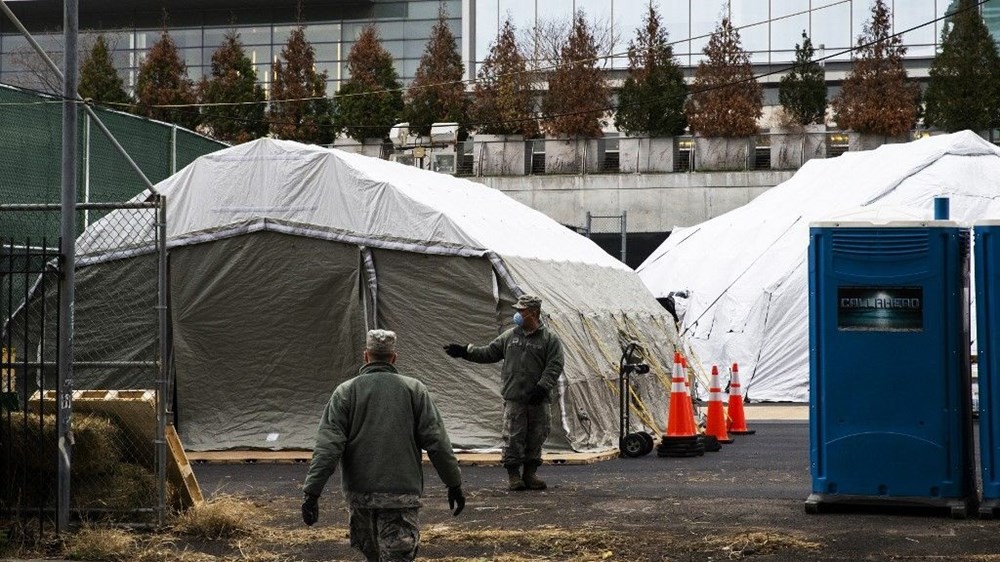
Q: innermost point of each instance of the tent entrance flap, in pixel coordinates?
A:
(265, 327)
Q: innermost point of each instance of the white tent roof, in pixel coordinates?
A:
(365, 200)
(747, 270)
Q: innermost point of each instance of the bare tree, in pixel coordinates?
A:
(543, 44)
(35, 74)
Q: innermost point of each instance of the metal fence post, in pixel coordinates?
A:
(161, 365)
(86, 168)
(173, 150)
(68, 251)
(624, 232)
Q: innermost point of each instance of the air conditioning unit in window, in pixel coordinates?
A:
(445, 162)
(403, 158)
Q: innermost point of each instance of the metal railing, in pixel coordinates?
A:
(493, 156)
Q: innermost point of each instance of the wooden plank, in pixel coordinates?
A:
(8, 377)
(180, 473)
(464, 459)
(249, 457)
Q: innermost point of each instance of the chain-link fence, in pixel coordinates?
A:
(31, 150)
(117, 459)
(610, 232)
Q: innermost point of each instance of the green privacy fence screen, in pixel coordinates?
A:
(31, 157)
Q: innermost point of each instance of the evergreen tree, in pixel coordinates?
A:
(503, 103)
(652, 98)
(437, 93)
(99, 80)
(163, 80)
(802, 92)
(370, 102)
(233, 80)
(964, 89)
(578, 94)
(726, 99)
(308, 118)
(877, 97)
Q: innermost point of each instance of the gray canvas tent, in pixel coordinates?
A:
(281, 255)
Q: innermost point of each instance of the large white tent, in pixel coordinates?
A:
(746, 271)
(281, 255)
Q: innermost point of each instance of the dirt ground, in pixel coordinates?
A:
(744, 502)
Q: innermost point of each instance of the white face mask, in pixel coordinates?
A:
(518, 319)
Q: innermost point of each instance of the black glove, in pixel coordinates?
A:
(456, 500)
(310, 509)
(537, 395)
(455, 350)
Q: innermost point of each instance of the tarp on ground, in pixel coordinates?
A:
(282, 255)
(746, 272)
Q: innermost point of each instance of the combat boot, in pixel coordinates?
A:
(530, 480)
(515, 483)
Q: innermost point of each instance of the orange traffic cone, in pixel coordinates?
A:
(739, 425)
(680, 418)
(688, 404)
(716, 424)
(681, 439)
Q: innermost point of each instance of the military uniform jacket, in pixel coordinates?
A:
(528, 359)
(375, 426)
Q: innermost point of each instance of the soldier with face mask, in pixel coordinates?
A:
(374, 427)
(532, 364)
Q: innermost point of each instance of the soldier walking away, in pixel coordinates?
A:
(374, 426)
(532, 364)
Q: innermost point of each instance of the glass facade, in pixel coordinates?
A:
(404, 28)
(769, 28)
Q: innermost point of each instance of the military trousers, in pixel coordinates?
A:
(385, 535)
(525, 429)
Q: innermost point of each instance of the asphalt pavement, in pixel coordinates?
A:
(756, 485)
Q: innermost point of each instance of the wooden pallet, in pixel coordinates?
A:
(8, 377)
(134, 412)
(180, 473)
(464, 459)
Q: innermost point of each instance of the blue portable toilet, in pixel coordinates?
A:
(986, 238)
(890, 396)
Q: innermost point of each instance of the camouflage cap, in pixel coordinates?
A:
(382, 342)
(527, 301)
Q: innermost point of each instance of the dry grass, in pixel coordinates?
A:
(585, 544)
(753, 543)
(301, 536)
(223, 517)
(100, 544)
(248, 534)
(34, 440)
(127, 486)
(497, 558)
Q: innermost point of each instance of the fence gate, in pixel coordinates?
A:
(608, 230)
(117, 466)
